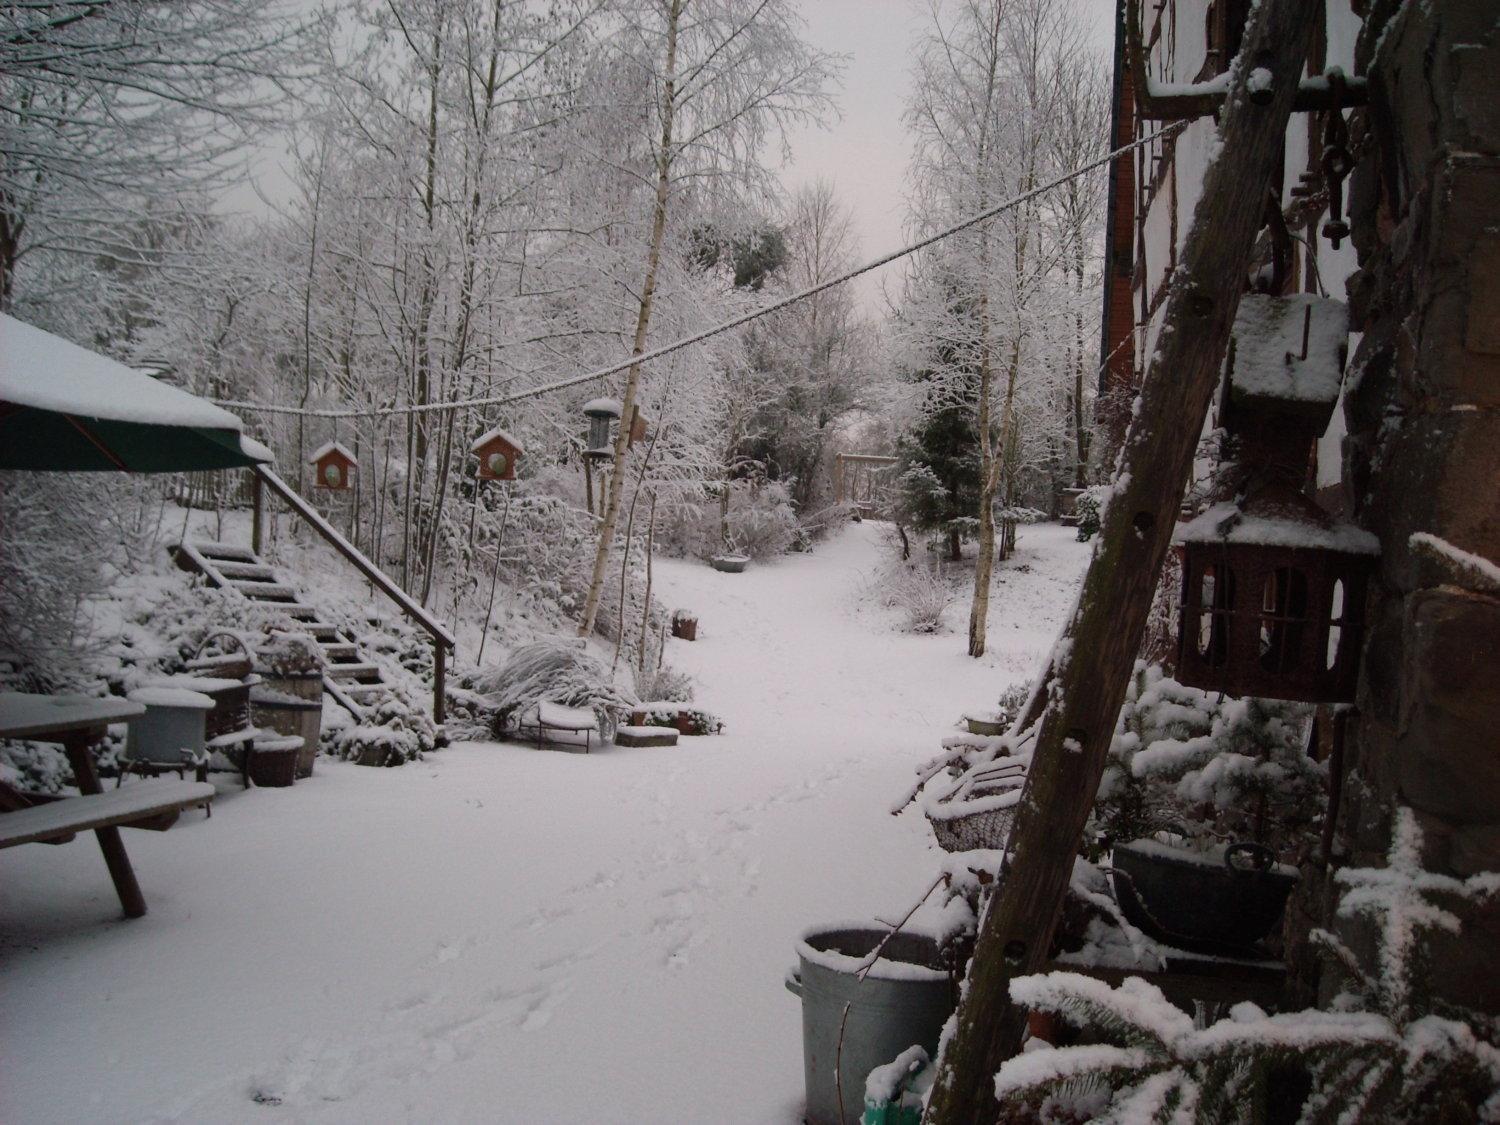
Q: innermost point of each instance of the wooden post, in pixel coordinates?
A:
(439, 679)
(257, 511)
(1093, 660)
(77, 745)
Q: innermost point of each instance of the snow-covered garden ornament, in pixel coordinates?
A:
(333, 467)
(1273, 588)
(600, 412)
(498, 452)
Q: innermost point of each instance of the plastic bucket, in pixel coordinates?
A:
(905, 999)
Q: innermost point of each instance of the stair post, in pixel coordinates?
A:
(257, 510)
(439, 679)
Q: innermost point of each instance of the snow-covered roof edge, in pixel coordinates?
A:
(498, 432)
(46, 372)
(1228, 523)
(331, 447)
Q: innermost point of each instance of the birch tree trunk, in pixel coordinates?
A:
(1095, 654)
(643, 322)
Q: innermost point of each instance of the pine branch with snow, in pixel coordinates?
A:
(1384, 1054)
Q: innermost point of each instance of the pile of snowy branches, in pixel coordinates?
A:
(558, 669)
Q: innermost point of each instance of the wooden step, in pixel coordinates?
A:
(266, 591)
(247, 572)
(301, 611)
(363, 693)
(226, 552)
(322, 632)
(364, 673)
(339, 651)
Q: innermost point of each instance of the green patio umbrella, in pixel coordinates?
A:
(66, 409)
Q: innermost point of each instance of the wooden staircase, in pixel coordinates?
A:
(355, 681)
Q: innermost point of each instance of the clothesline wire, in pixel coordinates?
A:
(718, 329)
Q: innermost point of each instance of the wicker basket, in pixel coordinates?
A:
(273, 762)
(288, 715)
(964, 833)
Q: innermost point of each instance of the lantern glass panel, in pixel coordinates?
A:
(598, 431)
(1283, 617)
(1335, 624)
(1215, 599)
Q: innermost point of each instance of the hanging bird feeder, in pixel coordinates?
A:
(333, 467)
(600, 412)
(498, 453)
(1273, 588)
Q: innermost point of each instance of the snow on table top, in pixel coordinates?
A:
(23, 714)
(131, 802)
(187, 682)
(556, 715)
(172, 697)
(647, 732)
(1268, 330)
(46, 372)
(498, 432)
(1228, 523)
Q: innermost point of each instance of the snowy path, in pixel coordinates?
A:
(505, 935)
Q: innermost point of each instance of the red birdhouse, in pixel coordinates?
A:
(333, 467)
(498, 453)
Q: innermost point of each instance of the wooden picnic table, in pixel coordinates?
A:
(79, 722)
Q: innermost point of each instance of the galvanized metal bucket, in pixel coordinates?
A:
(849, 1026)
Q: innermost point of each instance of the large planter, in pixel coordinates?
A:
(306, 686)
(903, 1001)
(1223, 900)
(290, 715)
(273, 761)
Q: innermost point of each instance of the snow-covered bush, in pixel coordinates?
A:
(1214, 769)
(1386, 1051)
(559, 669)
(289, 654)
(1089, 507)
(666, 683)
(920, 592)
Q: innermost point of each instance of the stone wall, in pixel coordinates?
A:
(1423, 451)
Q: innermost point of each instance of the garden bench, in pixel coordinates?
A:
(549, 719)
(145, 805)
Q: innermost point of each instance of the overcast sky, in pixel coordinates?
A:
(865, 153)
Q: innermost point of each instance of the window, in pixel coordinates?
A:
(1283, 618)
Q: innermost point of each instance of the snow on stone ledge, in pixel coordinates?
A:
(46, 372)
(1227, 523)
(1268, 347)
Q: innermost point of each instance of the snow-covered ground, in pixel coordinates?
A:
(498, 934)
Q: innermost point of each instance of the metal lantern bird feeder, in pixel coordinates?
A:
(333, 467)
(498, 453)
(600, 412)
(1273, 588)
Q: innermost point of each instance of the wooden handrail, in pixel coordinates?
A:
(404, 600)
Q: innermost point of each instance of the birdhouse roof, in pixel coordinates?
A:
(332, 447)
(497, 433)
(603, 407)
(1229, 523)
(1268, 359)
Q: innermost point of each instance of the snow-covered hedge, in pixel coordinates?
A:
(761, 523)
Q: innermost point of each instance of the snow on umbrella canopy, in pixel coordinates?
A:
(64, 408)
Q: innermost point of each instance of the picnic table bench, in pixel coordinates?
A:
(548, 718)
(78, 722)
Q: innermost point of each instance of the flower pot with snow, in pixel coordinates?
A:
(988, 723)
(1222, 899)
(291, 664)
(684, 625)
(730, 564)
